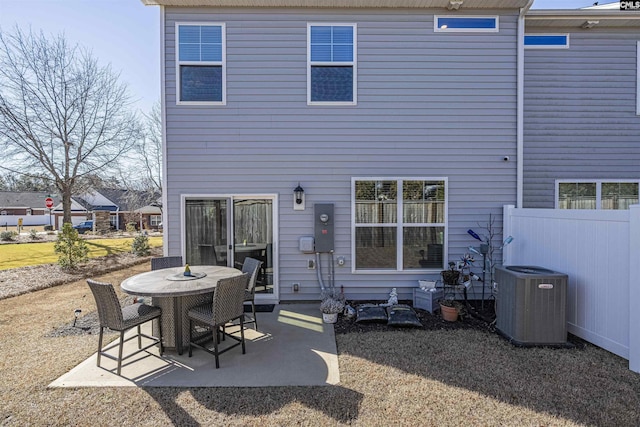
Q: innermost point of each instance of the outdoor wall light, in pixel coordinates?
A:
(298, 198)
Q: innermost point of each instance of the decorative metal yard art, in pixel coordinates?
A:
(487, 249)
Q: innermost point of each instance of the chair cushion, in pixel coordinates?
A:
(137, 314)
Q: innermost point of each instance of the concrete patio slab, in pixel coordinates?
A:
(291, 348)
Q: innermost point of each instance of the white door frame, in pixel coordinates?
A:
(260, 297)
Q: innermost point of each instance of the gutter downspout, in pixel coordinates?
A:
(520, 107)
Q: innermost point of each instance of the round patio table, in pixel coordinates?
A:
(176, 294)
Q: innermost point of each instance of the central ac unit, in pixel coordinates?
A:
(531, 305)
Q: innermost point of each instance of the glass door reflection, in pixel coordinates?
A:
(253, 237)
(206, 232)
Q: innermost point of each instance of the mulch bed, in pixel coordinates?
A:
(473, 317)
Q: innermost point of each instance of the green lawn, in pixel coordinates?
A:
(25, 254)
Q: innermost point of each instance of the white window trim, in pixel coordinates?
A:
(399, 226)
(542, 46)
(598, 183)
(222, 63)
(466, 30)
(353, 63)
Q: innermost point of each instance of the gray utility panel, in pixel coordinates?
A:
(531, 305)
(324, 229)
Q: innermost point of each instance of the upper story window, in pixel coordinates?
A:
(399, 224)
(596, 194)
(201, 63)
(466, 23)
(331, 64)
(546, 41)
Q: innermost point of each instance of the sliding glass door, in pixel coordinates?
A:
(226, 230)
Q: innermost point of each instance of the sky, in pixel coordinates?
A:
(126, 34)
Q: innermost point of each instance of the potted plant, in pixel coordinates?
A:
(448, 307)
(332, 303)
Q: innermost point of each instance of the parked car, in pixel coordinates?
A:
(84, 226)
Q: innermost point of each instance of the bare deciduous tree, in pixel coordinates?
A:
(61, 113)
(150, 148)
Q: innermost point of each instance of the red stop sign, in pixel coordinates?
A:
(48, 202)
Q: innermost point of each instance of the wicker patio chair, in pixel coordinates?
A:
(166, 262)
(252, 267)
(228, 299)
(113, 316)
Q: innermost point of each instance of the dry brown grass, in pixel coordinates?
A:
(406, 377)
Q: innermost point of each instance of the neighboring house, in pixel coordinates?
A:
(402, 114)
(582, 108)
(28, 205)
(123, 206)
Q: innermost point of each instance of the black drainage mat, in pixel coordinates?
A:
(260, 308)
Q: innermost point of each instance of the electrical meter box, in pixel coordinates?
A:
(324, 226)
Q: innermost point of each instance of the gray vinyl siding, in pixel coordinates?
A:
(428, 104)
(580, 117)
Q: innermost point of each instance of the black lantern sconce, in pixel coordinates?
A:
(298, 198)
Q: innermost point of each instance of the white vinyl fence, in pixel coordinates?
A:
(600, 252)
(27, 220)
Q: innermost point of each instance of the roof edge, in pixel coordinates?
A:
(386, 4)
(580, 13)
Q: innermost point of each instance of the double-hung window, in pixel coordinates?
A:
(399, 224)
(331, 64)
(596, 194)
(200, 53)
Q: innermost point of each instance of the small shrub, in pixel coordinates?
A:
(8, 236)
(131, 227)
(71, 248)
(33, 235)
(48, 228)
(140, 245)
